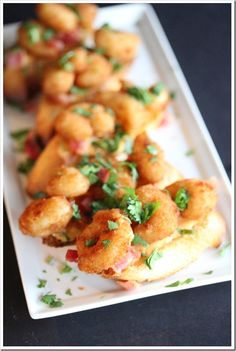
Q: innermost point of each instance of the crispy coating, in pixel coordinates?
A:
(40, 48)
(57, 16)
(119, 45)
(164, 221)
(57, 81)
(46, 166)
(124, 180)
(46, 113)
(202, 197)
(97, 72)
(81, 121)
(79, 60)
(68, 182)
(46, 216)
(87, 15)
(149, 159)
(15, 84)
(97, 258)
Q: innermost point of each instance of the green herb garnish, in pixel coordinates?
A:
(137, 240)
(133, 169)
(106, 242)
(177, 283)
(73, 8)
(76, 212)
(148, 210)
(112, 225)
(74, 278)
(189, 152)
(111, 185)
(68, 292)
(158, 88)
(151, 149)
(106, 26)
(173, 95)
(81, 111)
(65, 269)
(44, 271)
(77, 90)
(20, 137)
(50, 260)
(90, 242)
(42, 283)
(26, 166)
(140, 94)
(128, 146)
(185, 231)
(208, 273)
(33, 32)
(39, 195)
(64, 63)
(116, 65)
(151, 260)
(48, 34)
(100, 51)
(110, 144)
(51, 300)
(182, 198)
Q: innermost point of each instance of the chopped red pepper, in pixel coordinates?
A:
(104, 174)
(31, 147)
(72, 255)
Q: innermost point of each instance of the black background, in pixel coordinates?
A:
(200, 37)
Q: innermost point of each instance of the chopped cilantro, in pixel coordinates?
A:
(111, 185)
(148, 210)
(177, 283)
(153, 159)
(140, 94)
(158, 88)
(77, 90)
(110, 144)
(116, 65)
(128, 146)
(81, 111)
(50, 260)
(39, 195)
(65, 268)
(151, 260)
(90, 242)
(76, 212)
(132, 166)
(185, 231)
(51, 300)
(106, 26)
(74, 278)
(137, 240)
(68, 292)
(64, 63)
(42, 283)
(187, 281)
(112, 225)
(106, 242)
(182, 198)
(20, 137)
(44, 271)
(48, 34)
(208, 273)
(173, 95)
(189, 152)
(26, 166)
(110, 111)
(100, 51)
(33, 32)
(151, 149)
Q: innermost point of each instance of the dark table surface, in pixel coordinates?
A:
(200, 37)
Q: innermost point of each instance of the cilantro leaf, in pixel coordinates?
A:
(77, 90)
(68, 292)
(20, 137)
(182, 198)
(90, 242)
(112, 225)
(42, 283)
(39, 195)
(151, 260)
(33, 32)
(151, 149)
(158, 88)
(116, 65)
(208, 273)
(106, 26)
(65, 268)
(82, 111)
(26, 166)
(148, 210)
(133, 169)
(100, 51)
(173, 285)
(110, 144)
(76, 212)
(51, 300)
(185, 231)
(189, 152)
(48, 34)
(140, 94)
(137, 240)
(73, 8)
(106, 242)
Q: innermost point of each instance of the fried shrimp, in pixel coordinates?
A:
(149, 159)
(96, 73)
(46, 216)
(57, 81)
(87, 15)
(164, 221)
(69, 182)
(104, 242)
(81, 121)
(195, 198)
(119, 45)
(58, 17)
(79, 60)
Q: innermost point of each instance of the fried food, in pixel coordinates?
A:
(100, 248)
(46, 216)
(199, 197)
(57, 81)
(164, 221)
(69, 182)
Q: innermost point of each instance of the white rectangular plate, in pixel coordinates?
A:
(187, 130)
